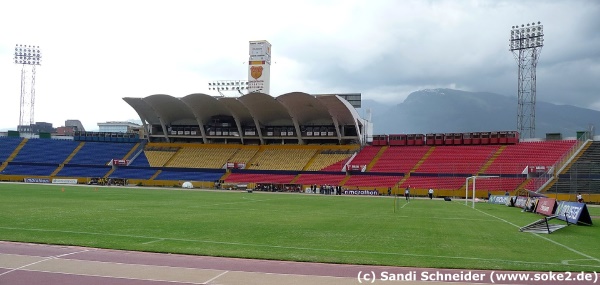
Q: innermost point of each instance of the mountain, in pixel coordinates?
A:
(450, 111)
(372, 106)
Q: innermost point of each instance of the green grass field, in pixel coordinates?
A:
(335, 229)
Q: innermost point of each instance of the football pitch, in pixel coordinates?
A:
(298, 227)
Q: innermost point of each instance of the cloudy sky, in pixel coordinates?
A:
(97, 52)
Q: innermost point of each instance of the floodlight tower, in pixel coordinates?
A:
(28, 56)
(526, 44)
(226, 86)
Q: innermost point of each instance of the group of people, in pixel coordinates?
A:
(407, 193)
(107, 181)
(326, 189)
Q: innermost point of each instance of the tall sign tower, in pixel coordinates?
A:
(28, 56)
(259, 67)
(526, 44)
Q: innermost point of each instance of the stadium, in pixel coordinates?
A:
(318, 153)
(295, 141)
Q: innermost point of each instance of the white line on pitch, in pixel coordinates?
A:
(545, 238)
(295, 247)
(153, 241)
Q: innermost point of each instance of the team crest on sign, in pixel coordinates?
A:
(256, 71)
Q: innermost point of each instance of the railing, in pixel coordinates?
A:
(540, 182)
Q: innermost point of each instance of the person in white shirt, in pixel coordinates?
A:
(579, 198)
(430, 193)
(407, 192)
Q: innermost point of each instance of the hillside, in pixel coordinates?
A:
(448, 110)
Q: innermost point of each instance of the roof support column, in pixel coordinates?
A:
(164, 129)
(337, 129)
(202, 131)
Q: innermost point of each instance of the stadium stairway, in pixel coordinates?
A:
(225, 175)
(155, 175)
(491, 160)
(134, 151)
(425, 156)
(255, 157)
(109, 172)
(522, 185)
(343, 182)
(308, 164)
(576, 157)
(296, 178)
(406, 176)
(168, 162)
(13, 154)
(567, 165)
(376, 158)
(17, 150)
(60, 167)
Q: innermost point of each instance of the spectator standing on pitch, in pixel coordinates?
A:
(407, 192)
(430, 193)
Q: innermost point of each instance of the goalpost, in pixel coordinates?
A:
(474, 178)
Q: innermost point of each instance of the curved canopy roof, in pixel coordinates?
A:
(284, 110)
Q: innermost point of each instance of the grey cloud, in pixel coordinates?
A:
(567, 69)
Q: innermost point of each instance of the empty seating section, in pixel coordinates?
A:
(365, 156)
(29, 169)
(457, 159)
(140, 160)
(283, 158)
(323, 160)
(244, 154)
(497, 183)
(259, 178)
(447, 165)
(7, 146)
(583, 175)
(515, 158)
(201, 157)
(158, 158)
(426, 182)
(167, 174)
(320, 179)
(338, 166)
(372, 181)
(133, 173)
(100, 153)
(46, 151)
(399, 159)
(83, 171)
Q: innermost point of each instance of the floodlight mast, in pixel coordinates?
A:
(28, 56)
(225, 86)
(526, 44)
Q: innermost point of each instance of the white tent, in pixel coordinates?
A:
(187, 185)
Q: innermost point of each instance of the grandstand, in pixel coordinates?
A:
(443, 167)
(211, 141)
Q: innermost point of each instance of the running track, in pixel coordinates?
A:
(23, 263)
